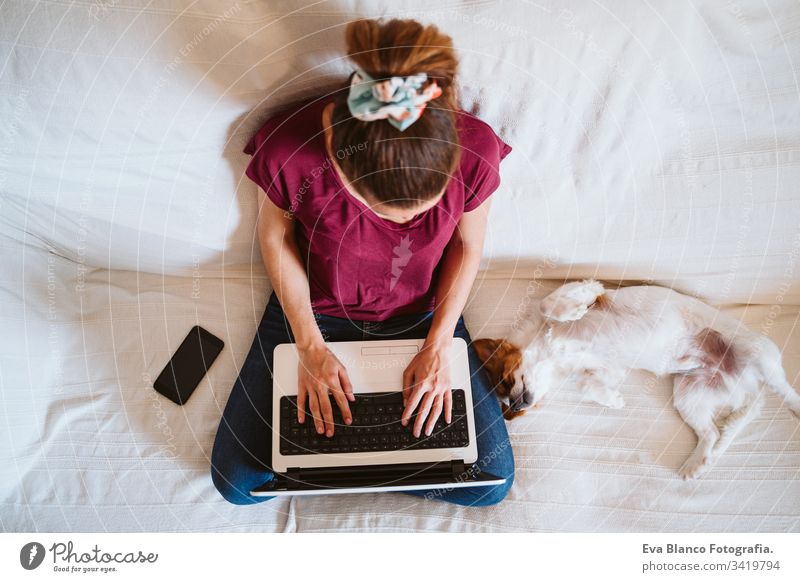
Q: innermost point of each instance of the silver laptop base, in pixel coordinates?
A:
(366, 478)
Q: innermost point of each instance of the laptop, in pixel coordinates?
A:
(375, 452)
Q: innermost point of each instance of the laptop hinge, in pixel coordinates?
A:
(293, 475)
(374, 475)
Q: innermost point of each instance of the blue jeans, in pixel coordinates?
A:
(240, 460)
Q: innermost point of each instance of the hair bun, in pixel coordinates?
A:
(398, 48)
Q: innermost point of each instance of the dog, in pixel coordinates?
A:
(592, 336)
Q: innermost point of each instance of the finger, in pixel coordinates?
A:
(301, 403)
(408, 377)
(411, 403)
(436, 411)
(327, 413)
(448, 406)
(346, 385)
(313, 404)
(422, 414)
(341, 401)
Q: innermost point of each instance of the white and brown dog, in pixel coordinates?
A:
(586, 334)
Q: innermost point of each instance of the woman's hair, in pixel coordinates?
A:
(401, 168)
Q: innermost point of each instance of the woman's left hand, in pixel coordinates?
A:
(426, 384)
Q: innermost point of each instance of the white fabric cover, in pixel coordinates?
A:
(650, 142)
(656, 141)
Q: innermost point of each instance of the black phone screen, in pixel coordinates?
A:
(190, 363)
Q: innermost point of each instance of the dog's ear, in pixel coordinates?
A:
(489, 352)
(512, 359)
(500, 360)
(486, 348)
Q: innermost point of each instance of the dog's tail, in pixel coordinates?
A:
(768, 361)
(570, 302)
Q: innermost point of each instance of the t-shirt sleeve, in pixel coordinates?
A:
(484, 151)
(264, 167)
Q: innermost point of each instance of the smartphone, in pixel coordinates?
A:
(187, 367)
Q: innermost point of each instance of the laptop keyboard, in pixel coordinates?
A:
(376, 427)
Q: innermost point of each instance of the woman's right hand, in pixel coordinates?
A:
(321, 373)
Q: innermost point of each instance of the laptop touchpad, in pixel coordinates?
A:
(385, 364)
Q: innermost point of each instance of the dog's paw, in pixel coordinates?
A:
(611, 400)
(570, 302)
(616, 401)
(563, 309)
(694, 466)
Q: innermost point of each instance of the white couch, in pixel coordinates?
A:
(651, 142)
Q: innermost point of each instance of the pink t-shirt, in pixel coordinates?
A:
(361, 266)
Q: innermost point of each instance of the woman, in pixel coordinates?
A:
(372, 217)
